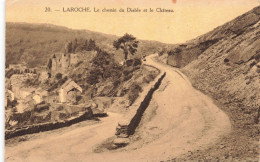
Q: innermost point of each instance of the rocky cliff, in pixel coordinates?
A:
(237, 39)
(225, 64)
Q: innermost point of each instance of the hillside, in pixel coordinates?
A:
(225, 64)
(240, 32)
(35, 43)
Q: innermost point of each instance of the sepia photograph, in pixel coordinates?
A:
(131, 81)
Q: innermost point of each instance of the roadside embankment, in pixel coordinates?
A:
(132, 119)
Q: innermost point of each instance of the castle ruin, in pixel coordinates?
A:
(61, 62)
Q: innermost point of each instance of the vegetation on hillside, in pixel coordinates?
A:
(100, 75)
(103, 76)
(34, 44)
(98, 71)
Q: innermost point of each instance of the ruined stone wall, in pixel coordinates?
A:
(54, 65)
(61, 62)
(74, 59)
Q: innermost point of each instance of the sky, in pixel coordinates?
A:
(190, 18)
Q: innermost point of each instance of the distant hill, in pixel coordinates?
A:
(35, 43)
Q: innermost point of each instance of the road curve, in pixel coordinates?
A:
(185, 120)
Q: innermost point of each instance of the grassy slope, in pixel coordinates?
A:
(35, 43)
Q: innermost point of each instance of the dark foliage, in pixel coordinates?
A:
(9, 73)
(31, 82)
(58, 76)
(80, 45)
(128, 44)
(54, 85)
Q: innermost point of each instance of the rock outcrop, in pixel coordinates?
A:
(238, 39)
(224, 64)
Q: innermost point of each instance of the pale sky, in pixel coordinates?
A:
(190, 19)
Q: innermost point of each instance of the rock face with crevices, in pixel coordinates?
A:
(228, 70)
(237, 39)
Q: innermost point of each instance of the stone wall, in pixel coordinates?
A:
(48, 126)
(127, 127)
(74, 59)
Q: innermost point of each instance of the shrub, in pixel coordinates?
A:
(79, 76)
(252, 64)
(21, 117)
(129, 62)
(93, 77)
(257, 56)
(107, 74)
(78, 98)
(127, 77)
(9, 73)
(148, 78)
(60, 108)
(175, 51)
(58, 76)
(49, 65)
(32, 81)
(52, 87)
(137, 62)
(161, 51)
(116, 83)
(80, 62)
(226, 60)
(126, 72)
(134, 92)
(63, 116)
(41, 107)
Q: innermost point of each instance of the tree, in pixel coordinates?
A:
(161, 51)
(68, 47)
(91, 45)
(49, 65)
(74, 45)
(128, 44)
(85, 46)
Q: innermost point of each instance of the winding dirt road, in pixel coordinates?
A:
(185, 120)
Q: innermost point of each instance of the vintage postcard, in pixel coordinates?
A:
(126, 81)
